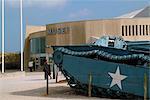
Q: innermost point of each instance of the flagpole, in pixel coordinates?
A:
(3, 38)
(21, 32)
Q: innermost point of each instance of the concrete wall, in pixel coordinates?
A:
(74, 34)
(31, 32)
(114, 27)
(138, 22)
(101, 28)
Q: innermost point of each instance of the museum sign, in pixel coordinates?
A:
(58, 30)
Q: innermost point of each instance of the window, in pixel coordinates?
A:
(37, 45)
(122, 30)
(140, 30)
(143, 29)
(129, 30)
(146, 29)
(136, 29)
(111, 43)
(42, 59)
(126, 30)
(133, 30)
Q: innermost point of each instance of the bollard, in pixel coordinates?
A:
(57, 77)
(89, 86)
(47, 84)
(54, 71)
(145, 86)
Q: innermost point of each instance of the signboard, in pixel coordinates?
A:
(58, 30)
(31, 64)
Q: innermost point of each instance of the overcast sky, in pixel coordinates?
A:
(42, 12)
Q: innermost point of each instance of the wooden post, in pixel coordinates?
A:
(145, 86)
(89, 86)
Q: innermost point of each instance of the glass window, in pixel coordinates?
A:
(122, 30)
(136, 29)
(143, 29)
(129, 30)
(133, 30)
(126, 31)
(37, 45)
(146, 29)
(140, 30)
(42, 41)
(42, 60)
(111, 43)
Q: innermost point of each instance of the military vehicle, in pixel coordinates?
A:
(110, 67)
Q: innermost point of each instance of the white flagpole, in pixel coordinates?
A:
(21, 32)
(3, 37)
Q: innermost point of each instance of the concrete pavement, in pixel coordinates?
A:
(32, 86)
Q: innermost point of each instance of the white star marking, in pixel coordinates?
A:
(117, 78)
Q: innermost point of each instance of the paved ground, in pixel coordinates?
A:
(32, 87)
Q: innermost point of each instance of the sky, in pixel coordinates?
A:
(42, 12)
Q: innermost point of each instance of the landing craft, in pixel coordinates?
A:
(113, 67)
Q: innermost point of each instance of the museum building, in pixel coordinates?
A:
(134, 26)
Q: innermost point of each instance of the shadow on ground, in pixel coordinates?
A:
(63, 92)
